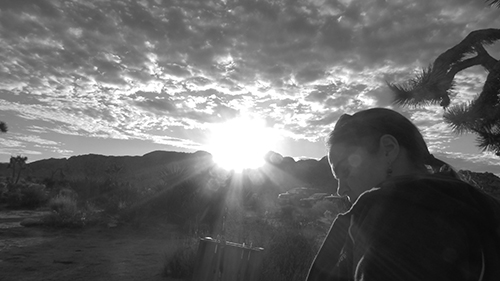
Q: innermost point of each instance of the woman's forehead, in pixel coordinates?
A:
(338, 152)
(345, 156)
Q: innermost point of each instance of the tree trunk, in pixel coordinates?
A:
(18, 175)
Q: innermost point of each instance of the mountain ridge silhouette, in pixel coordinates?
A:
(153, 168)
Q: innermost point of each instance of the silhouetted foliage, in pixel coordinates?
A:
(435, 85)
(288, 256)
(24, 195)
(181, 263)
(3, 127)
(17, 164)
(67, 213)
(493, 3)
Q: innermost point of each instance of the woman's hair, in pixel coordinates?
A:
(365, 128)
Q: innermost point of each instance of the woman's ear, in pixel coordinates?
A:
(389, 145)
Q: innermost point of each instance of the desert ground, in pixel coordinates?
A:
(122, 252)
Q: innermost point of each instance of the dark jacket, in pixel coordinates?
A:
(414, 228)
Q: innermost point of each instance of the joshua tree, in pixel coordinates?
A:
(17, 164)
(435, 85)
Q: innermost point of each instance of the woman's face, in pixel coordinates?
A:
(356, 169)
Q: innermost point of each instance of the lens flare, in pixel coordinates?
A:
(241, 143)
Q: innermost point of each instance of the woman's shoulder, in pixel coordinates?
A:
(434, 192)
(437, 180)
(424, 184)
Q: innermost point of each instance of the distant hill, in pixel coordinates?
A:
(488, 182)
(155, 168)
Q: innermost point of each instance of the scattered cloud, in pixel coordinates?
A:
(147, 70)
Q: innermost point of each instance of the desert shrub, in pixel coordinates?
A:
(33, 196)
(63, 205)
(108, 195)
(24, 195)
(65, 213)
(288, 255)
(13, 197)
(3, 190)
(89, 215)
(87, 190)
(321, 209)
(178, 205)
(181, 263)
(67, 192)
(286, 213)
(119, 197)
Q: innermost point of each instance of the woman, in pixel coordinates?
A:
(412, 219)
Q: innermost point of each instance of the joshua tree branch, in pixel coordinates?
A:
(493, 3)
(477, 60)
(487, 61)
(435, 84)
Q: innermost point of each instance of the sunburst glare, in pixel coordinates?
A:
(241, 143)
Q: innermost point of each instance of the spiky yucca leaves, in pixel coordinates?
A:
(484, 123)
(493, 3)
(482, 115)
(431, 86)
(489, 139)
(435, 83)
(463, 117)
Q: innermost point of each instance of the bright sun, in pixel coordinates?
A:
(241, 143)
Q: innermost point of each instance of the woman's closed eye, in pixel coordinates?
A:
(342, 170)
(343, 167)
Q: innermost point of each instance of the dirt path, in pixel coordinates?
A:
(100, 253)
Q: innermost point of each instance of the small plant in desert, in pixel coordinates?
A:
(288, 255)
(66, 212)
(63, 205)
(33, 195)
(181, 263)
(24, 195)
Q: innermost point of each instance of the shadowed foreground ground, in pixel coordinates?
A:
(100, 253)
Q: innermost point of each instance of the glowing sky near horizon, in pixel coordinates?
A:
(129, 77)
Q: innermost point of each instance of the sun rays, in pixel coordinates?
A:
(241, 143)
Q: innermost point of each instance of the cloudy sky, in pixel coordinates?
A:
(129, 77)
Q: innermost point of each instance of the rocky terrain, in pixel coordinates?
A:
(488, 182)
